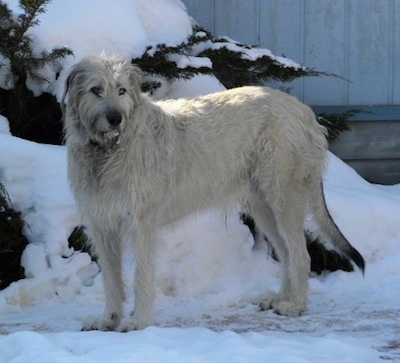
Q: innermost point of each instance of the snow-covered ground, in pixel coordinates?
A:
(209, 277)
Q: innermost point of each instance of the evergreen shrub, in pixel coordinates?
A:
(12, 241)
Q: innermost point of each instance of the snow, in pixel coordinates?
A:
(173, 345)
(4, 126)
(209, 276)
(183, 61)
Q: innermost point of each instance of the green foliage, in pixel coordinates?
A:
(231, 62)
(17, 54)
(336, 123)
(16, 44)
(235, 66)
(12, 241)
(156, 62)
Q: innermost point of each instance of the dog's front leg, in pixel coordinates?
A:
(107, 247)
(145, 253)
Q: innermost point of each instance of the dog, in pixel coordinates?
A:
(136, 165)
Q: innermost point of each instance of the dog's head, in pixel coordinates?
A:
(100, 96)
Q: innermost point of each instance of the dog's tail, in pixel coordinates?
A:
(331, 230)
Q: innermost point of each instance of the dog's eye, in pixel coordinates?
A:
(96, 90)
(121, 91)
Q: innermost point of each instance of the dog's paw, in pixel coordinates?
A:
(268, 302)
(282, 306)
(289, 308)
(101, 323)
(135, 323)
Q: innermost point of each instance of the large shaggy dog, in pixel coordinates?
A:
(136, 165)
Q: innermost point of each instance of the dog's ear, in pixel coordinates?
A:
(66, 89)
(135, 78)
(72, 78)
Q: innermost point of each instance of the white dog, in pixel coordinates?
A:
(136, 165)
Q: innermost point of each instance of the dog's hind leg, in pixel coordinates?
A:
(284, 228)
(108, 250)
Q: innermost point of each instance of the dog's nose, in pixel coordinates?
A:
(114, 118)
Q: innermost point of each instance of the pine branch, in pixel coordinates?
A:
(17, 53)
(336, 123)
(233, 63)
(31, 10)
(16, 44)
(236, 64)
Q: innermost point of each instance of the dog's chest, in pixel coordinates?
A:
(98, 179)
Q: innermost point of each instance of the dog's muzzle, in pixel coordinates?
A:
(114, 119)
(109, 136)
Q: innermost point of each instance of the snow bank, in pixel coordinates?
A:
(367, 214)
(4, 125)
(178, 345)
(35, 178)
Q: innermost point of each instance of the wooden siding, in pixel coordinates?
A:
(372, 145)
(355, 39)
